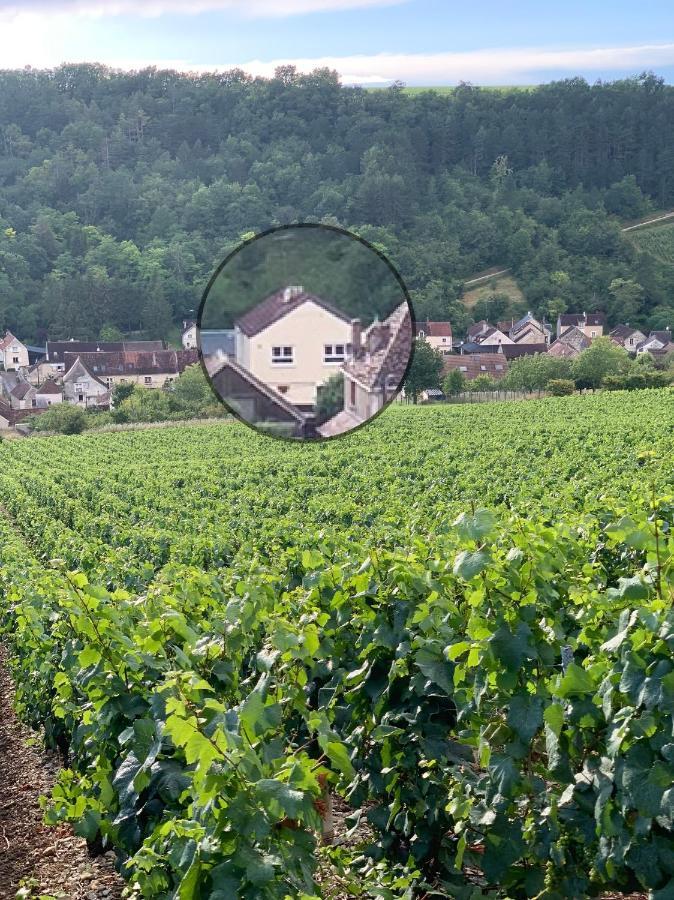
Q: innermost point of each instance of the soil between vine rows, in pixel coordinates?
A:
(51, 861)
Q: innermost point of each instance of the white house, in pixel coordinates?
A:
(189, 336)
(655, 342)
(437, 334)
(293, 341)
(82, 388)
(591, 324)
(13, 353)
(493, 338)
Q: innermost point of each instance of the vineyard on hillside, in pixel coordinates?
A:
(658, 241)
(459, 619)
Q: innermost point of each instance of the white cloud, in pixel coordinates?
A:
(150, 8)
(497, 66)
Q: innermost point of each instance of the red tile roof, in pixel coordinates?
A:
(474, 364)
(275, 307)
(50, 387)
(435, 329)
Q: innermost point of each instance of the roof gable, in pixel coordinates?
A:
(277, 306)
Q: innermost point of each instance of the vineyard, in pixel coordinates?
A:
(458, 620)
(657, 240)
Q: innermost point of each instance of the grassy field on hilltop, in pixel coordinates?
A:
(457, 620)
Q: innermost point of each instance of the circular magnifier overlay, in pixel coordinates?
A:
(306, 332)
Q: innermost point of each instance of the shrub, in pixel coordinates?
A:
(63, 418)
(561, 387)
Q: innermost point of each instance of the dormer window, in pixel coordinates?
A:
(282, 355)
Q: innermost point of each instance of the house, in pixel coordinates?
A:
(571, 343)
(22, 396)
(189, 335)
(43, 370)
(374, 372)
(149, 369)
(56, 350)
(477, 330)
(492, 364)
(529, 330)
(437, 334)
(627, 337)
(257, 403)
(293, 341)
(473, 347)
(592, 324)
(432, 395)
(514, 351)
(657, 343)
(48, 394)
(493, 337)
(82, 387)
(13, 354)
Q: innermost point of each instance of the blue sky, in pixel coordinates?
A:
(367, 41)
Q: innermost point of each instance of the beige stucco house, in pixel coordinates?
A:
(591, 324)
(13, 353)
(437, 334)
(293, 341)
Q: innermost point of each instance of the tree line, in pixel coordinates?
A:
(121, 192)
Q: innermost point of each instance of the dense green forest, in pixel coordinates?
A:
(121, 193)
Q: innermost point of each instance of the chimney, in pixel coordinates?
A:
(292, 292)
(356, 336)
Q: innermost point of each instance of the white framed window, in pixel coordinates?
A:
(593, 333)
(15, 359)
(444, 340)
(79, 387)
(148, 379)
(422, 334)
(282, 355)
(631, 341)
(483, 368)
(334, 353)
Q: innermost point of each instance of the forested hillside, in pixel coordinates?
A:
(120, 193)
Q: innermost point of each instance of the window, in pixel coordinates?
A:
(79, 387)
(631, 341)
(148, 379)
(334, 353)
(60, 367)
(282, 355)
(80, 397)
(593, 333)
(353, 393)
(15, 359)
(463, 368)
(444, 340)
(422, 334)
(483, 368)
(282, 388)
(33, 402)
(498, 367)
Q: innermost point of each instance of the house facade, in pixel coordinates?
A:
(376, 368)
(571, 343)
(48, 394)
(82, 388)
(591, 324)
(293, 341)
(437, 334)
(13, 353)
(189, 335)
(629, 338)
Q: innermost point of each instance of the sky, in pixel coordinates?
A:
(369, 42)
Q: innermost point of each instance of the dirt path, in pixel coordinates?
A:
(49, 861)
(645, 222)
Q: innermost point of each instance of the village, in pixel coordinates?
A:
(488, 350)
(254, 365)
